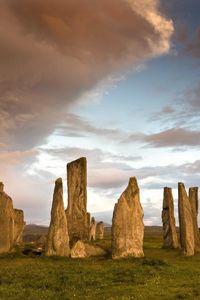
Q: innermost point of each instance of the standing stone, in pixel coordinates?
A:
(1, 187)
(18, 226)
(127, 223)
(100, 230)
(185, 222)
(57, 238)
(92, 236)
(193, 197)
(169, 226)
(77, 216)
(6, 221)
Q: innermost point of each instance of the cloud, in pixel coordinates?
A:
(173, 137)
(193, 46)
(93, 155)
(76, 126)
(53, 51)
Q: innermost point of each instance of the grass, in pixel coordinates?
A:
(161, 274)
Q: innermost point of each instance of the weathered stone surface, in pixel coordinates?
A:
(185, 222)
(57, 238)
(18, 226)
(169, 225)
(78, 250)
(92, 236)
(1, 187)
(77, 216)
(193, 197)
(81, 250)
(6, 222)
(41, 242)
(127, 223)
(100, 230)
(94, 250)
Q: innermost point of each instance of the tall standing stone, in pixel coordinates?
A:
(193, 197)
(127, 223)
(6, 221)
(169, 226)
(1, 187)
(18, 226)
(92, 236)
(100, 230)
(77, 216)
(185, 222)
(57, 238)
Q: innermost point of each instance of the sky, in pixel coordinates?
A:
(116, 81)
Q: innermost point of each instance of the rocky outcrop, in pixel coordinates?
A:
(18, 226)
(169, 227)
(57, 238)
(185, 222)
(92, 235)
(100, 230)
(127, 223)
(6, 221)
(77, 216)
(193, 197)
(82, 250)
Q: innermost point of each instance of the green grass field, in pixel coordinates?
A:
(162, 274)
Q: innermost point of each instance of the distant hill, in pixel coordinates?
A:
(32, 232)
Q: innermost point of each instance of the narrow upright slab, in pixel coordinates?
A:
(170, 239)
(18, 226)
(6, 221)
(92, 236)
(57, 238)
(76, 212)
(127, 223)
(100, 230)
(185, 221)
(1, 187)
(193, 197)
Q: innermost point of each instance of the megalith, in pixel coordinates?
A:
(193, 197)
(185, 222)
(127, 223)
(18, 226)
(100, 230)
(92, 235)
(170, 239)
(82, 249)
(76, 212)
(58, 238)
(6, 221)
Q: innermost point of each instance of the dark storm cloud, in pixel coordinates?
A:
(52, 51)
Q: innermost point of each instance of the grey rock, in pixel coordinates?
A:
(127, 223)
(76, 212)
(169, 225)
(58, 238)
(185, 222)
(100, 230)
(193, 197)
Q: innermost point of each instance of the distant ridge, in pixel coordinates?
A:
(32, 231)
